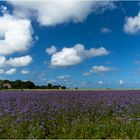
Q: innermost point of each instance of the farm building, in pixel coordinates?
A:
(7, 85)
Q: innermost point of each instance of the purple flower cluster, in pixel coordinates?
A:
(42, 105)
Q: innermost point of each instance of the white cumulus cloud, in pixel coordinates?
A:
(132, 24)
(15, 62)
(3, 9)
(20, 61)
(2, 61)
(25, 71)
(97, 52)
(75, 55)
(58, 11)
(51, 50)
(10, 71)
(15, 34)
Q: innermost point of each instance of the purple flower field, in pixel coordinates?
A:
(70, 114)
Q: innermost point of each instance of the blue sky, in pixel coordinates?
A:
(85, 44)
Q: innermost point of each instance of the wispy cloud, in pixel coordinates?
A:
(86, 74)
(99, 69)
(121, 82)
(106, 30)
(136, 62)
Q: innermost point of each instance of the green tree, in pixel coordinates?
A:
(49, 86)
(1, 84)
(17, 84)
(28, 84)
(63, 87)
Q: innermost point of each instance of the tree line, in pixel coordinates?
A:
(18, 84)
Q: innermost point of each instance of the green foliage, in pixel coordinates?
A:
(63, 87)
(18, 84)
(49, 86)
(71, 126)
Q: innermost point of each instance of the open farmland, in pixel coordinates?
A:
(70, 114)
